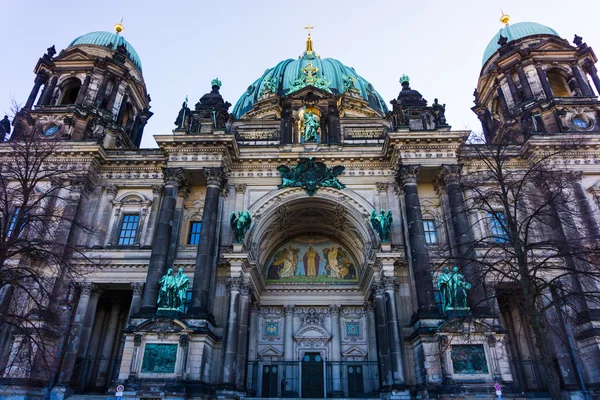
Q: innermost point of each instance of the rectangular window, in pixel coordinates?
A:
(497, 224)
(430, 232)
(128, 229)
(195, 228)
(13, 222)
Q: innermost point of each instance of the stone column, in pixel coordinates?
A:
(503, 102)
(586, 91)
(113, 95)
(254, 331)
(544, 80)
(514, 92)
(101, 91)
(586, 213)
(47, 92)
(88, 323)
(103, 216)
(109, 340)
(204, 271)
(288, 334)
(242, 339)
(336, 348)
(407, 177)
(136, 298)
(75, 334)
(382, 336)
(524, 83)
(136, 356)
(593, 72)
(83, 90)
(231, 335)
(393, 328)
(154, 210)
(174, 178)
(40, 79)
(371, 335)
(450, 178)
(122, 109)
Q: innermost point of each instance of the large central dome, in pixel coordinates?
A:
(281, 78)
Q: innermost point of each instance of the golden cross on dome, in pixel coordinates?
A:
(309, 27)
(309, 46)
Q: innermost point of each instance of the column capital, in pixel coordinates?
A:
(450, 174)
(87, 288)
(111, 190)
(246, 289)
(157, 190)
(184, 340)
(289, 309)
(256, 307)
(382, 186)
(240, 188)
(137, 287)
(368, 306)
(407, 174)
(334, 309)
(137, 340)
(235, 284)
(215, 176)
(174, 177)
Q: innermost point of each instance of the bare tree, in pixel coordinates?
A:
(530, 233)
(40, 191)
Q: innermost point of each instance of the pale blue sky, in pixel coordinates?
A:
(183, 45)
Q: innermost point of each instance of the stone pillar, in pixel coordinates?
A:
(109, 340)
(544, 80)
(336, 349)
(101, 91)
(136, 298)
(514, 92)
(174, 178)
(47, 93)
(586, 213)
(122, 109)
(154, 211)
(593, 72)
(450, 178)
(40, 79)
(371, 335)
(382, 336)
(204, 271)
(393, 328)
(103, 216)
(75, 334)
(586, 91)
(524, 83)
(231, 343)
(113, 95)
(136, 356)
(407, 178)
(88, 323)
(83, 90)
(254, 331)
(288, 333)
(242, 339)
(503, 102)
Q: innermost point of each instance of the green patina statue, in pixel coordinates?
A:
(240, 224)
(173, 290)
(349, 84)
(311, 127)
(382, 224)
(453, 290)
(269, 86)
(310, 175)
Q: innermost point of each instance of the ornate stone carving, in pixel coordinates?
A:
(288, 309)
(382, 186)
(450, 174)
(215, 177)
(157, 190)
(173, 176)
(235, 283)
(137, 287)
(310, 175)
(137, 340)
(312, 317)
(184, 340)
(240, 188)
(87, 288)
(334, 309)
(407, 174)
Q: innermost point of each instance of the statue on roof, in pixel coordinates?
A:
(212, 106)
(269, 86)
(4, 128)
(182, 117)
(349, 84)
(439, 112)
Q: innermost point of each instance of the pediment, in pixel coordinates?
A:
(312, 332)
(310, 91)
(74, 54)
(270, 352)
(354, 352)
(161, 325)
(552, 44)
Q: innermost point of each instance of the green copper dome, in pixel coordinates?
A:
(514, 32)
(291, 75)
(111, 41)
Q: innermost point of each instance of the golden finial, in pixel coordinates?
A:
(119, 27)
(309, 44)
(504, 18)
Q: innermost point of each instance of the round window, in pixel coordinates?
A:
(50, 130)
(581, 122)
(318, 358)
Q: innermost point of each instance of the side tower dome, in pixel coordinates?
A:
(534, 81)
(93, 89)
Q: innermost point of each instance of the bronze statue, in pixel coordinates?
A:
(173, 290)
(240, 224)
(311, 127)
(4, 128)
(453, 290)
(382, 223)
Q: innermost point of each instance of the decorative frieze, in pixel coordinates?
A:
(407, 174)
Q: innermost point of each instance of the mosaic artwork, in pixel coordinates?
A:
(312, 259)
(469, 359)
(353, 329)
(272, 329)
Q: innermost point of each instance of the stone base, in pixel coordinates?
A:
(169, 313)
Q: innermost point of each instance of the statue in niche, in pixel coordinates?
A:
(173, 289)
(310, 126)
(382, 224)
(453, 290)
(240, 224)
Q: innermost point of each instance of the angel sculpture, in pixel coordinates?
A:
(288, 176)
(382, 223)
(240, 224)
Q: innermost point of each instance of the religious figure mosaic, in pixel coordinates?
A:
(312, 259)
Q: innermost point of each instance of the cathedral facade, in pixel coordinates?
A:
(308, 242)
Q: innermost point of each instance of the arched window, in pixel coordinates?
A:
(558, 83)
(70, 91)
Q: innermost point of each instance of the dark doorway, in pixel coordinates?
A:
(312, 376)
(356, 386)
(269, 381)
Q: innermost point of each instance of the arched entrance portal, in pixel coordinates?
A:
(312, 329)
